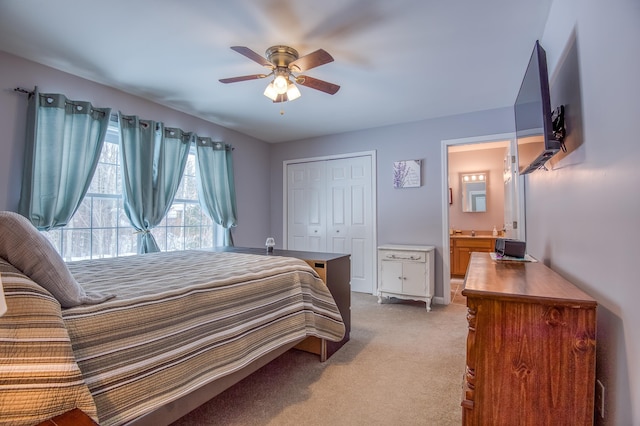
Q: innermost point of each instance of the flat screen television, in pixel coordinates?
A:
(535, 136)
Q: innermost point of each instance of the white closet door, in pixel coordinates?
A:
(338, 206)
(306, 207)
(349, 217)
(329, 209)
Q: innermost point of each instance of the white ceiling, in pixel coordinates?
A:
(396, 61)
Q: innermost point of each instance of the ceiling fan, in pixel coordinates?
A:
(285, 64)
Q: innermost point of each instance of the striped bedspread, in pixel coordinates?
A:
(182, 319)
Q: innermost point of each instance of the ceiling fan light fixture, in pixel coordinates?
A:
(271, 92)
(281, 84)
(284, 61)
(293, 92)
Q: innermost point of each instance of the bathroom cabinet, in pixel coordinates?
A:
(461, 248)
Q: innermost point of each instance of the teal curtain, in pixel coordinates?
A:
(216, 188)
(153, 160)
(63, 143)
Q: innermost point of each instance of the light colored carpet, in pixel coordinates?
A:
(402, 366)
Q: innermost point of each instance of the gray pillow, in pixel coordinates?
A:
(22, 245)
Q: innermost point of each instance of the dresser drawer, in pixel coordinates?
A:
(404, 256)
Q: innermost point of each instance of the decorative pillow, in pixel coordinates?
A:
(40, 378)
(22, 245)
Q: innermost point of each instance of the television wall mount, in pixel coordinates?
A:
(559, 131)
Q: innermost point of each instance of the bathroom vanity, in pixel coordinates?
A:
(460, 248)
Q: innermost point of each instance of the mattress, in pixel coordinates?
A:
(180, 320)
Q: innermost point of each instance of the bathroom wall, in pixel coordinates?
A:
(477, 160)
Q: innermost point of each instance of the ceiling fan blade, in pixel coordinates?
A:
(242, 78)
(314, 83)
(252, 55)
(312, 60)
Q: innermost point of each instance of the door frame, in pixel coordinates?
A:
(446, 143)
(374, 217)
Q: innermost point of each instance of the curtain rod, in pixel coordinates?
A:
(113, 115)
(25, 91)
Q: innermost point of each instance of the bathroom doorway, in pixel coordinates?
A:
(496, 157)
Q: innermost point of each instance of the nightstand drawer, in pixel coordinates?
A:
(415, 256)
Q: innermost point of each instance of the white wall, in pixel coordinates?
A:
(583, 216)
(409, 215)
(251, 171)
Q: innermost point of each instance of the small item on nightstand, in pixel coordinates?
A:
(494, 232)
(473, 233)
(270, 243)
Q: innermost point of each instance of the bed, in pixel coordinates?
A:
(148, 337)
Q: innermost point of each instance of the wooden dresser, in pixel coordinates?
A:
(530, 346)
(335, 271)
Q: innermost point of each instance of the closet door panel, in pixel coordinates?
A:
(361, 225)
(306, 207)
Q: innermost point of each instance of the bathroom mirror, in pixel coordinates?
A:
(474, 191)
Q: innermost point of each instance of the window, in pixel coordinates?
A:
(185, 226)
(100, 228)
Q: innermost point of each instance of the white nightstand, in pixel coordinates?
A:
(406, 272)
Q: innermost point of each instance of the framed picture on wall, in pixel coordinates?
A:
(407, 173)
